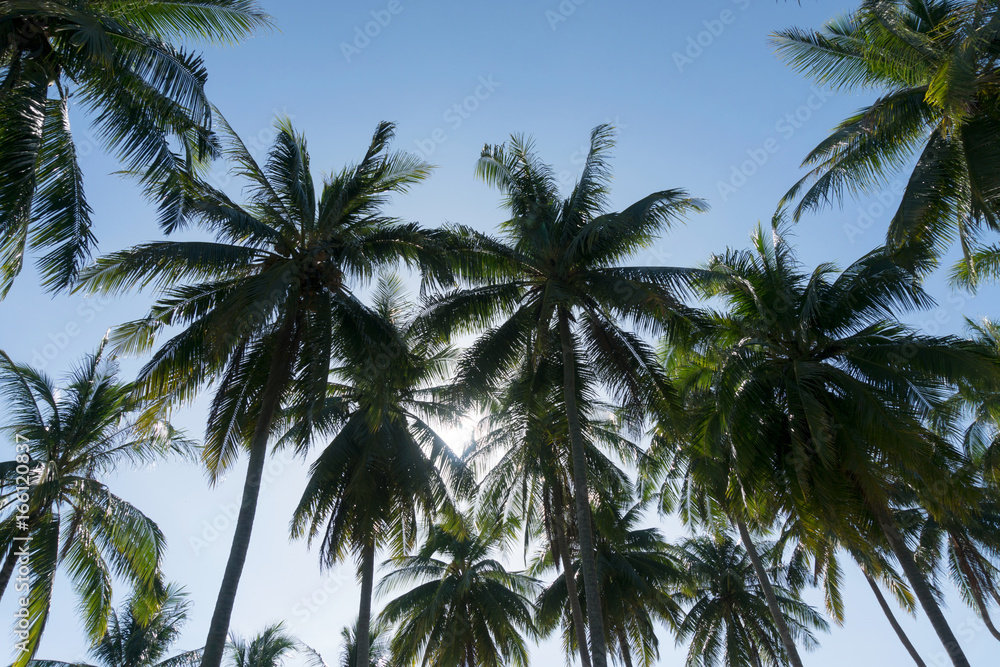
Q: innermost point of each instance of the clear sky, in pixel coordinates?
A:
(700, 102)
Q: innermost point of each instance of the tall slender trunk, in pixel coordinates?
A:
(887, 610)
(772, 599)
(562, 546)
(917, 581)
(623, 644)
(365, 613)
(977, 594)
(277, 376)
(581, 492)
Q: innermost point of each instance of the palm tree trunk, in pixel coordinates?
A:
(562, 546)
(974, 588)
(277, 376)
(917, 581)
(626, 654)
(365, 613)
(581, 492)
(887, 610)
(772, 599)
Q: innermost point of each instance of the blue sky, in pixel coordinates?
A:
(700, 102)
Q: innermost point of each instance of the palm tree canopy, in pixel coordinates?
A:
(726, 617)
(70, 437)
(132, 642)
(269, 648)
(464, 607)
(120, 61)
(934, 64)
(556, 253)
(281, 269)
(821, 386)
(637, 573)
(378, 645)
(386, 464)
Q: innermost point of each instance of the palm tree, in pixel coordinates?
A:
(386, 466)
(555, 268)
(522, 456)
(378, 645)
(269, 648)
(827, 397)
(817, 558)
(68, 439)
(637, 574)
(259, 308)
(727, 618)
(134, 641)
(465, 609)
(692, 460)
(970, 546)
(935, 65)
(117, 60)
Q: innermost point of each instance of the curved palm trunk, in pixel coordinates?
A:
(365, 612)
(581, 492)
(772, 599)
(974, 588)
(562, 546)
(219, 628)
(887, 610)
(917, 581)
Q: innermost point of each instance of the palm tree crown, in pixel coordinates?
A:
(117, 60)
(134, 641)
(259, 308)
(727, 618)
(554, 275)
(72, 437)
(465, 609)
(935, 65)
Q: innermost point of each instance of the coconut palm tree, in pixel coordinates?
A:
(465, 609)
(934, 64)
(259, 308)
(386, 466)
(637, 576)
(140, 639)
(726, 616)
(521, 453)
(269, 648)
(556, 268)
(378, 645)
(58, 512)
(690, 469)
(827, 397)
(968, 548)
(121, 61)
